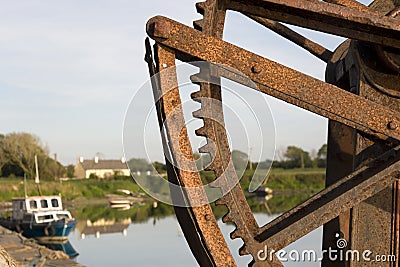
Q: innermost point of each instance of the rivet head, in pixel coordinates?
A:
(256, 69)
(393, 125)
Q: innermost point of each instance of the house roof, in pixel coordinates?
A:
(109, 164)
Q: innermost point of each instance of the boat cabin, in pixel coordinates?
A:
(45, 205)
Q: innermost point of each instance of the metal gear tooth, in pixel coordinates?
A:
(198, 24)
(214, 184)
(196, 95)
(243, 250)
(200, 7)
(227, 218)
(206, 149)
(201, 131)
(211, 167)
(198, 114)
(203, 80)
(197, 78)
(234, 234)
(220, 202)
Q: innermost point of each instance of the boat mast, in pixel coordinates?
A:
(37, 181)
(26, 194)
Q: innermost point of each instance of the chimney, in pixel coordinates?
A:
(96, 159)
(80, 159)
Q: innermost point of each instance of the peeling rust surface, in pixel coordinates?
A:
(211, 112)
(332, 201)
(284, 83)
(211, 249)
(335, 19)
(312, 47)
(364, 122)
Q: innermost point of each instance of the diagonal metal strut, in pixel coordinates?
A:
(277, 80)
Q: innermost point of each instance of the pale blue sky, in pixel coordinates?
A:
(68, 70)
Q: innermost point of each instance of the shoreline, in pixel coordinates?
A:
(23, 250)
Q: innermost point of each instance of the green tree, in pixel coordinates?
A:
(323, 151)
(322, 154)
(70, 170)
(20, 149)
(297, 158)
(17, 157)
(160, 167)
(139, 165)
(52, 169)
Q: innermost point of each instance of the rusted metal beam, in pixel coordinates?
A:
(279, 81)
(332, 201)
(350, 3)
(198, 221)
(184, 215)
(316, 49)
(326, 17)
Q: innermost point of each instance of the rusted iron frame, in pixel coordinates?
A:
(330, 18)
(211, 112)
(184, 215)
(198, 222)
(277, 80)
(316, 49)
(332, 201)
(349, 3)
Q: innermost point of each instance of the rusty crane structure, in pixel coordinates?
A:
(360, 98)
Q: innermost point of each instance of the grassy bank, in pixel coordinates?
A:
(297, 180)
(292, 181)
(72, 189)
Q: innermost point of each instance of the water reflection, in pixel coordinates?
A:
(64, 246)
(103, 215)
(102, 226)
(149, 235)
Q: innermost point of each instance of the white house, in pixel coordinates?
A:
(100, 168)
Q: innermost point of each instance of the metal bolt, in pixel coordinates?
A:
(256, 69)
(392, 125)
(159, 29)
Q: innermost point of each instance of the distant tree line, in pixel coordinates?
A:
(293, 157)
(18, 150)
(17, 157)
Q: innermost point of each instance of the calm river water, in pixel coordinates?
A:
(148, 236)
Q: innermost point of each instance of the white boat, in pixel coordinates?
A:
(40, 217)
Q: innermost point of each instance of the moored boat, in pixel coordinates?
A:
(40, 217)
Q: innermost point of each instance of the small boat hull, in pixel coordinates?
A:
(119, 202)
(57, 230)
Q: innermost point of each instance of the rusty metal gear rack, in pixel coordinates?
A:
(360, 98)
